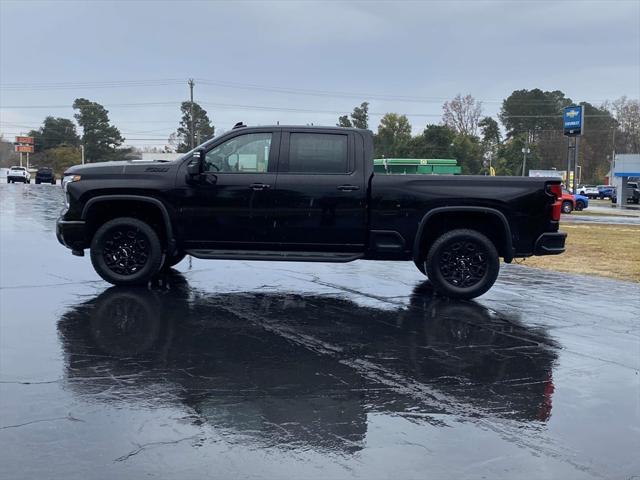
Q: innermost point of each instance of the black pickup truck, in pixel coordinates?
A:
(303, 194)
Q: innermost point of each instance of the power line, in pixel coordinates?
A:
(260, 108)
(78, 85)
(251, 86)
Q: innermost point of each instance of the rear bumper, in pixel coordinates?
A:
(71, 233)
(550, 243)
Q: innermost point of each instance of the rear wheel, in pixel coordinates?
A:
(126, 251)
(462, 264)
(579, 206)
(567, 207)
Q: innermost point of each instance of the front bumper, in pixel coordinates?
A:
(550, 243)
(72, 234)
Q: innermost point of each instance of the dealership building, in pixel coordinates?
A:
(626, 168)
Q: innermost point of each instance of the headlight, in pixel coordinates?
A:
(67, 179)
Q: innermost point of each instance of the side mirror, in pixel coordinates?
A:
(194, 168)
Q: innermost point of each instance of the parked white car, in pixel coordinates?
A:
(18, 174)
(590, 191)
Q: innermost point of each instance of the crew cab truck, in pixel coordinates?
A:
(18, 174)
(304, 194)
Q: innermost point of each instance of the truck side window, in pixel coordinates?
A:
(242, 154)
(318, 153)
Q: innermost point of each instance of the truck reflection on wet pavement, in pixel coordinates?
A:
(279, 370)
(283, 369)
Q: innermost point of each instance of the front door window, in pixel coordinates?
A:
(242, 154)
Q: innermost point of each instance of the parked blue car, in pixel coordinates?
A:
(582, 202)
(605, 191)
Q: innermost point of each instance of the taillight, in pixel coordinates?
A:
(555, 189)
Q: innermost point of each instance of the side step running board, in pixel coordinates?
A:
(333, 257)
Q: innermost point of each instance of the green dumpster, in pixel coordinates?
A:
(420, 166)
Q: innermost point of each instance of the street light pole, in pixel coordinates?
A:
(191, 84)
(525, 151)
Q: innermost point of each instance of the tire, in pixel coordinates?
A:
(462, 253)
(579, 206)
(53, 182)
(126, 251)
(170, 261)
(567, 207)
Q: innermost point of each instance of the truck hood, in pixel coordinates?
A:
(121, 167)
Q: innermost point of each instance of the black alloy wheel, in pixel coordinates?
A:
(462, 264)
(126, 251)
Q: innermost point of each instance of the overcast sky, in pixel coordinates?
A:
(304, 61)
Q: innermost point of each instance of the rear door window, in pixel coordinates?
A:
(319, 153)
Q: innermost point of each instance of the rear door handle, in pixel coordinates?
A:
(348, 188)
(259, 186)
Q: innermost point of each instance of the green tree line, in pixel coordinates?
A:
(527, 119)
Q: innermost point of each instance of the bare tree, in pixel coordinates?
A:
(462, 114)
(627, 113)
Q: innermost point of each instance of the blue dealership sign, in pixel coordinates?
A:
(573, 120)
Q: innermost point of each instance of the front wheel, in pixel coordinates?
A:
(462, 264)
(126, 251)
(567, 207)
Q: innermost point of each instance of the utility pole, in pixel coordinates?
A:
(570, 149)
(613, 155)
(193, 142)
(575, 166)
(82, 152)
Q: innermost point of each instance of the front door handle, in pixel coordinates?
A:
(259, 186)
(348, 188)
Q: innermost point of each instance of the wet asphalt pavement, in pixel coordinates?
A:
(604, 219)
(283, 370)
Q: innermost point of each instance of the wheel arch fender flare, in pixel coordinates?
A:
(171, 242)
(508, 239)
